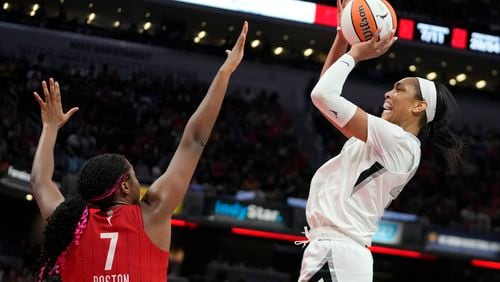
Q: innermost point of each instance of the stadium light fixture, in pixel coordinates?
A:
(147, 15)
(494, 72)
(6, 5)
(481, 84)
(202, 34)
(444, 64)
(452, 82)
(255, 43)
(116, 24)
(147, 25)
(35, 7)
(90, 18)
(392, 55)
(197, 39)
(308, 52)
(29, 197)
(461, 77)
(91, 5)
(418, 59)
(32, 13)
(412, 68)
(119, 10)
(431, 75)
(278, 50)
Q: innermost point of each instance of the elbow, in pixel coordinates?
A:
(317, 97)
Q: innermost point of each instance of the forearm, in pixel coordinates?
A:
(43, 164)
(201, 123)
(339, 48)
(326, 94)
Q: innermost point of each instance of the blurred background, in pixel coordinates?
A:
(138, 69)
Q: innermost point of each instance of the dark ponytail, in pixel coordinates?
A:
(440, 134)
(59, 234)
(65, 226)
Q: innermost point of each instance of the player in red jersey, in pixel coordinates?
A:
(127, 239)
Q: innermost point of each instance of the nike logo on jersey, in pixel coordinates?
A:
(110, 215)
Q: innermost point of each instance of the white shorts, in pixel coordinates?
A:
(333, 256)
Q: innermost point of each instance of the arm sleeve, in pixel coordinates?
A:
(326, 94)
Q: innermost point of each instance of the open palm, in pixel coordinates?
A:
(51, 109)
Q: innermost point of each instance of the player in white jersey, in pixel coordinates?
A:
(349, 193)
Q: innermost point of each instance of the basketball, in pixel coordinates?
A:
(361, 18)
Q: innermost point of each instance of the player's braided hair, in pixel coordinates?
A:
(67, 223)
(440, 135)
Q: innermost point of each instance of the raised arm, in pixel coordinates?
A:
(46, 193)
(326, 95)
(167, 192)
(339, 46)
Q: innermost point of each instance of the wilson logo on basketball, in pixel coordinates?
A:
(364, 24)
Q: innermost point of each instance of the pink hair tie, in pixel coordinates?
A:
(111, 190)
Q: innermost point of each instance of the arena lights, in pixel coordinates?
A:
(202, 34)
(116, 24)
(255, 43)
(444, 64)
(90, 18)
(29, 197)
(308, 52)
(258, 33)
(147, 25)
(286, 37)
(431, 75)
(6, 5)
(452, 82)
(278, 50)
(468, 68)
(481, 84)
(461, 77)
(119, 10)
(35, 7)
(32, 13)
(494, 72)
(231, 28)
(197, 39)
(147, 15)
(418, 60)
(392, 55)
(91, 5)
(203, 24)
(412, 68)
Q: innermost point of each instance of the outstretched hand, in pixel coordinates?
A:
(51, 109)
(373, 48)
(235, 55)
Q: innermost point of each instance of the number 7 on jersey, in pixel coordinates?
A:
(112, 248)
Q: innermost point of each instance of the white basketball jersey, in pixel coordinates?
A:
(351, 191)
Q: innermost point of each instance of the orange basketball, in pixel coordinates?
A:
(361, 18)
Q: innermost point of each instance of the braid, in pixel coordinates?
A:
(59, 233)
(68, 222)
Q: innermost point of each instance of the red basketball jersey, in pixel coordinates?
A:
(115, 248)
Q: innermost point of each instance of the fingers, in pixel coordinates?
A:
(46, 93)
(376, 36)
(52, 88)
(57, 92)
(71, 112)
(38, 99)
(228, 52)
(241, 39)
